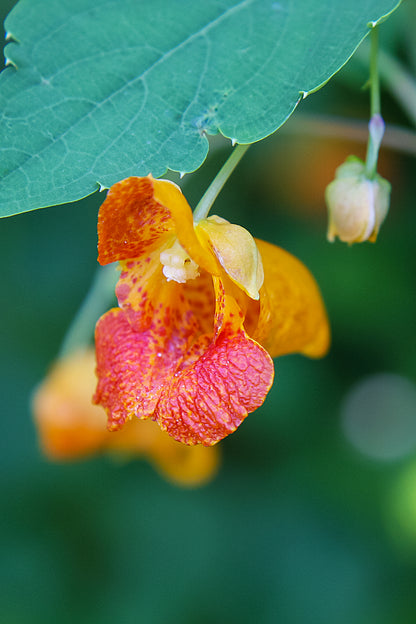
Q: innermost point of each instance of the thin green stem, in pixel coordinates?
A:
(96, 302)
(212, 192)
(376, 125)
(395, 77)
(374, 77)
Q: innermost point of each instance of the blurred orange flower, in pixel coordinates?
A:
(70, 427)
(203, 309)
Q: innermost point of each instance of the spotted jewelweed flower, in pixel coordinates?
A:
(203, 309)
(71, 428)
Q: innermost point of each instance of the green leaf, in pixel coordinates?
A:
(98, 90)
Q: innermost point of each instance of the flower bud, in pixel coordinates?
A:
(357, 206)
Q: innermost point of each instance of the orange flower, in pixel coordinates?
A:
(70, 427)
(203, 308)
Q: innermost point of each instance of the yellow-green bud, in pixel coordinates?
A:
(356, 205)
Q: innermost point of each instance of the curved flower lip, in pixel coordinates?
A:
(191, 350)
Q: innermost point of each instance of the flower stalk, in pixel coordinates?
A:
(212, 192)
(376, 125)
(97, 301)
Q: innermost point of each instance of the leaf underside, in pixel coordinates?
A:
(98, 90)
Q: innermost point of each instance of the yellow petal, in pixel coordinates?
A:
(236, 251)
(292, 315)
(69, 425)
(169, 195)
(187, 466)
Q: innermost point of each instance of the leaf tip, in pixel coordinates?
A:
(8, 62)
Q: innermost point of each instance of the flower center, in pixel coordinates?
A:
(177, 265)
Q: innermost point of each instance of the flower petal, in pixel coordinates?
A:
(69, 425)
(140, 347)
(236, 251)
(142, 284)
(188, 466)
(138, 289)
(200, 296)
(140, 214)
(126, 384)
(292, 317)
(131, 222)
(185, 466)
(221, 380)
(133, 366)
(170, 195)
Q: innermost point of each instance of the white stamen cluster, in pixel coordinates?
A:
(177, 265)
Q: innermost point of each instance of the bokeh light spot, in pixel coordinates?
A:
(379, 416)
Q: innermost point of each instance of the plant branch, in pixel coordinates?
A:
(396, 137)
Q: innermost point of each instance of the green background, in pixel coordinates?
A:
(298, 527)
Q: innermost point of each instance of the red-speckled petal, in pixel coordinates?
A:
(142, 285)
(200, 296)
(133, 366)
(140, 215)
(131, 223)
(219, 382)
(209, 399)
(126, 380)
